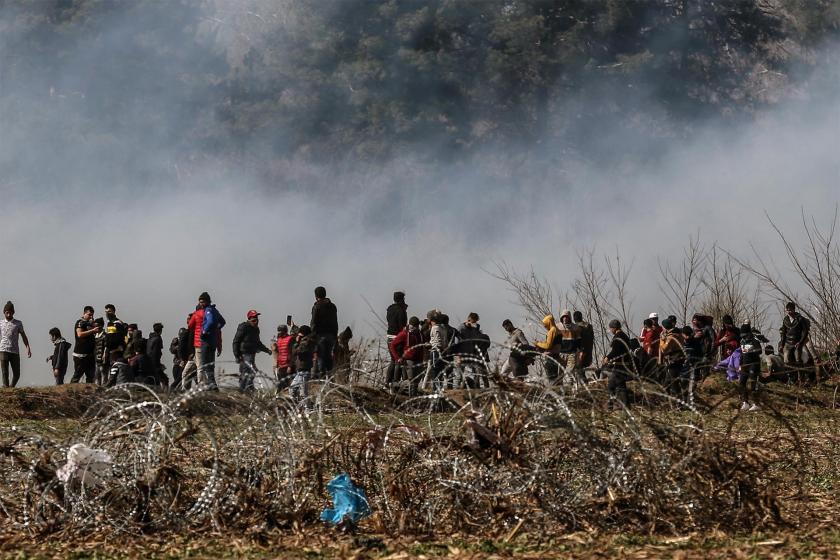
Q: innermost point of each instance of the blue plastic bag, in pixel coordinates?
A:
(349, 501)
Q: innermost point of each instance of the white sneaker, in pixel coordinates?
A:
(754, 407)
(745, 406)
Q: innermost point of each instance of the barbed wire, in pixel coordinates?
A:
(480, 459)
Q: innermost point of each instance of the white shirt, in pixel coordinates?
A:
(9, 335)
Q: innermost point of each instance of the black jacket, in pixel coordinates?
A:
(115, 332)
(143, 369)
(154, 347)
(619, 354)
(397, 318)
(795, 330)
(247, 340)
(303, 352)
(186, 343)
(470, 339)
(173, 349)
(587, 337)
(59, 357)
(324, 318)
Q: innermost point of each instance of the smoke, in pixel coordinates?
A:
(131, 213)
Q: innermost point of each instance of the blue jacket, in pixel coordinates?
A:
(213, 323)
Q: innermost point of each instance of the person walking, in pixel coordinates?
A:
(84, 349)
(246, 344)
(324, 325)
(517, 342)
(58, 360)
(11, 331)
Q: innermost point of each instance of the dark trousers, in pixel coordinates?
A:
(392, 374)
(177, 368)
(617, 386)
(552, 367)
(208, 364)
(10, 359)
(326, 345)
(84, 366)
(747, 380)
(59, 377)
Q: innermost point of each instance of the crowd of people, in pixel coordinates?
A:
(429, 353)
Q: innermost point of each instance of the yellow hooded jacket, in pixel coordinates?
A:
(551, 333)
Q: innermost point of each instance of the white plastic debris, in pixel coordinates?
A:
(85, 465)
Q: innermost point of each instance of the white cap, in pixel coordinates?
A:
(653, 315)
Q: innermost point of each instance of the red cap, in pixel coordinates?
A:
(252, 313)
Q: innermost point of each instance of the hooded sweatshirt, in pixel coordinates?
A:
(569, 334)
(551, 335)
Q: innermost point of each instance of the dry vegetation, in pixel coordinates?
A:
(516, 470)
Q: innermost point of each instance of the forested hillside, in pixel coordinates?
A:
(151, 90)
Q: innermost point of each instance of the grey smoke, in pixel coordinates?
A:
(131, 227)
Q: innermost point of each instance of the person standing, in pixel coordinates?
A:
(406, 350)
(793, 335)
(396, 317)
(651, 333)
(671, 356)
(58, 360)
(100, 352)
(569, 344)
(154, 348)
(750, 368)
(324, 327)
(187, 353)
(587, 343)
(207, 323)
(246, 344)
(470, 358)
(11, 330)
(549, 347)
(177, 368)
(304, 348)
(115, 333)
(618, 362)
(284, 363)
(84, 349)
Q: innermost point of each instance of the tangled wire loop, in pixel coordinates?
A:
(480, 461)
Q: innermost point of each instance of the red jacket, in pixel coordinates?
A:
(195, 324)
(284, 351)
(407, 345)
(650, 340)
(730, 338)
